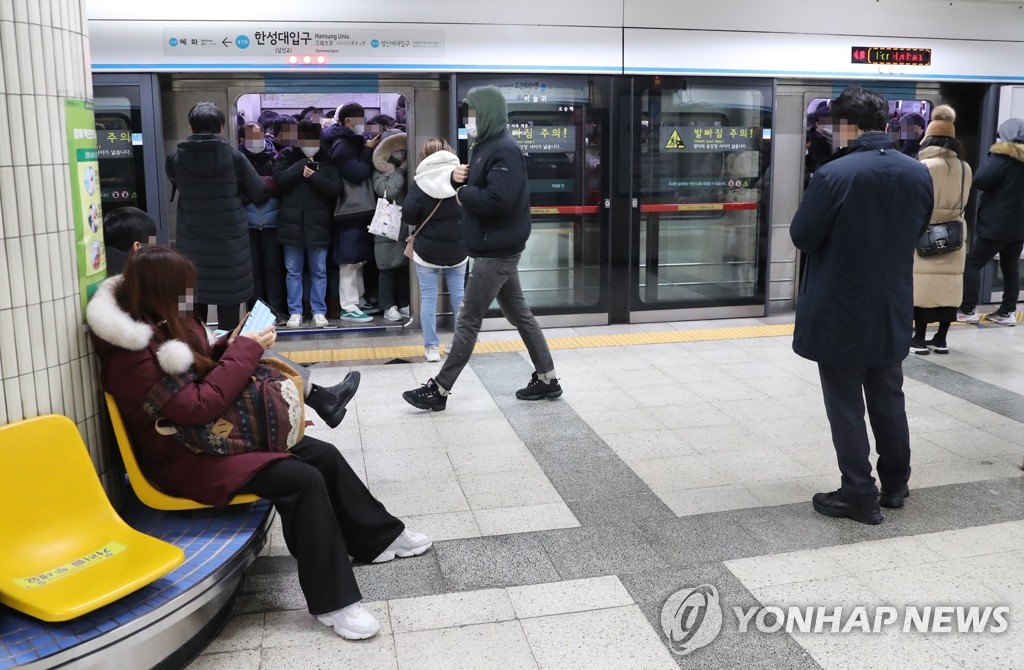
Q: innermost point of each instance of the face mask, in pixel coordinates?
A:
(359, 128)
(254, 147)
(310, 151)
(471, 129)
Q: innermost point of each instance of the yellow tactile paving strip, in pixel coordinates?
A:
(500, 346)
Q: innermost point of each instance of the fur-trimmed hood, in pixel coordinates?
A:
(116, 327)
(1014, 150)
(392, 143)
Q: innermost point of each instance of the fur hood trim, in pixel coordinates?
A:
(1014, 150)
(434, 174)
(389, 144)
(112, 324)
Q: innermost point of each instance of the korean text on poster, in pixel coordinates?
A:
(705, 139)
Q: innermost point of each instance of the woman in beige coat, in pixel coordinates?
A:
(938, 280)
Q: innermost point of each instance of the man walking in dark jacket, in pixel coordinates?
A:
(495, 201)
(212, 229)
(858, 225)
(1000, 228)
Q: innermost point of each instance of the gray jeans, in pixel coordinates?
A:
(491, 278)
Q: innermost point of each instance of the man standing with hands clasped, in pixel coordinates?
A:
(858, 225)
(495, 201)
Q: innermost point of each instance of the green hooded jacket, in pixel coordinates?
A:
(491, 112)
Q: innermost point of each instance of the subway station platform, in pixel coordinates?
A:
(661, 506)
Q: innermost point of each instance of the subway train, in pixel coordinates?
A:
(668, 143)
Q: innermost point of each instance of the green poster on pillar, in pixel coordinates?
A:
(80, 123)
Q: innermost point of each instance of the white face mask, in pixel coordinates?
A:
(254, 146)
(310, 151)
(359, 128)
(471, 129)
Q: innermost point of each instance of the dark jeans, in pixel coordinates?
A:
(267, 269)
(393, 289)
(327, 514)
(982, 251)
(228, 316)
(845, 390)
(491, 278)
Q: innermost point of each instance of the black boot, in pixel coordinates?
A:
(329, 403)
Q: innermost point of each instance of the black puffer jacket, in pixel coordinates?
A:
(349, 154)
(1001, 179)
(212, 178)
(307, 205)
(495, 199)
(441, 241)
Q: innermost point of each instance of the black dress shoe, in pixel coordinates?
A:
(893, 500)
(329, 403)
(831, 504)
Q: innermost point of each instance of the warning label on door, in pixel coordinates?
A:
(701, 139)
(674, 141)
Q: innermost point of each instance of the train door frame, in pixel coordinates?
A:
(152, 130)
(975, 116)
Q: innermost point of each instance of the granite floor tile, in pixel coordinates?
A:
(694, 540)
(248, 659)
(710, 499)
(602, 550)
(611, 638)
(421, 496)
(332, 652)
(450, 610)
(241, 632)
(444, 526)
(300, 628)
(400, 578)
(492, 645)
(503, 520)
(499, 561)
(508, 489)
(619, 509)
(577, 595)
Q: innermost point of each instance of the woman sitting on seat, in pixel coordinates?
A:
(143, 330)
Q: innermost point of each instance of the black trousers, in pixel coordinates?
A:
(845, 390)
(982, 251)
(228, 316)
(267, 269)
(327, 514)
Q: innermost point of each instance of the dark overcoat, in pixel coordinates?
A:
(133, 358)
(354, 161)
(212, 230)
(1001, 181)
(858, 224)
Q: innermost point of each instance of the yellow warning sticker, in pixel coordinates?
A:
(674, 141)
(544, 210)
(109, 550)
(701, 207)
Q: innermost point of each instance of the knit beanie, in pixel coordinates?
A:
(941, 125)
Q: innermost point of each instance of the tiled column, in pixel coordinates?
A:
(46, 361)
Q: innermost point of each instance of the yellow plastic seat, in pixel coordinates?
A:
(66, 552)
(146, 492)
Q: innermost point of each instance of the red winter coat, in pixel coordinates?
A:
(133, 358)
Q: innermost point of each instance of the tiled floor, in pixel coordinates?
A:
(563, 528)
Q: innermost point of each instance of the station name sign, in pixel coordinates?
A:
(890, 56)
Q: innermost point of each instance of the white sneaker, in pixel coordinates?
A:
(392, 314)
(352, 623)
(294, 321)
(404, 311)
(409, 543)
(1002, 318)
(432, 354)
(320, 321)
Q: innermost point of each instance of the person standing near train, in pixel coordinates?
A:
(494, 194)
(1000, 225)
(212, 231)
(267, 262)
(858, 225)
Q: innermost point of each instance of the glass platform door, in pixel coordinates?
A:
(701, 157)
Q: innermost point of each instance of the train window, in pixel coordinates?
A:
(119, 150)
(382, 111)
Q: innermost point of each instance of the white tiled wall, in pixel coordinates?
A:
(46, 362)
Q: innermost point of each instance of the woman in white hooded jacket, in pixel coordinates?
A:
(435, 220)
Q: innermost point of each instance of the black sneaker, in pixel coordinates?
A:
(427, 396)
(537, 390)
(918, 347)
(937, 347)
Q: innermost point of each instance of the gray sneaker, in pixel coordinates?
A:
(1002, 318)
(968, 317)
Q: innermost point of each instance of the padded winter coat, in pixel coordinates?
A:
(307, 205)
(939, 280)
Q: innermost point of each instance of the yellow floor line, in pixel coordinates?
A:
(584, 341)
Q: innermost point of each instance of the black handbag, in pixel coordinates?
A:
(947, 236)
(357, 201)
